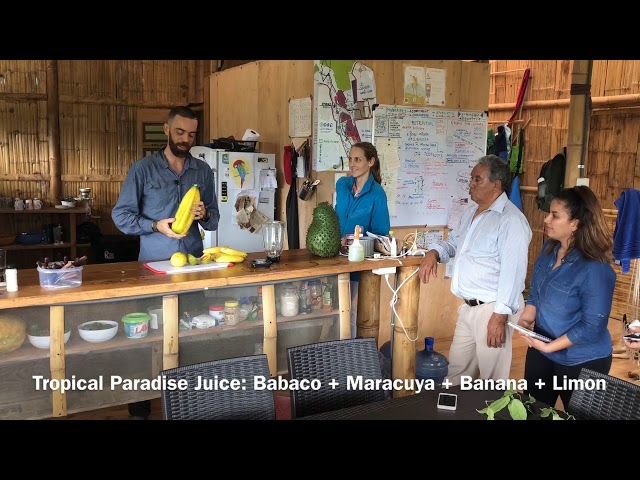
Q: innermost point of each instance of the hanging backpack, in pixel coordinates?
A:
(551, 180)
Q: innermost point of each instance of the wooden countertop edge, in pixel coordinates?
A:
(131, 279)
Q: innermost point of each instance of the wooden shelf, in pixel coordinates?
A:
(77, 346)
(47, 210)
(44, 246)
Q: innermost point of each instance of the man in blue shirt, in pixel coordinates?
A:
(150, 197)
(154, 187)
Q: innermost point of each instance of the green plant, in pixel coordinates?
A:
(520, 409)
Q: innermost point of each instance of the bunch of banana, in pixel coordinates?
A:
(184, 217)
(225, 254)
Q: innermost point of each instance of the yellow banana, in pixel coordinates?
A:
(233, 251)
(184, 217)
(212, 250)
(226, 258)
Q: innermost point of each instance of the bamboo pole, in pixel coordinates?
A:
(53, 130)
(404, 344)
(578, 133)
(368, 312)
(56, 358)
(270, 347)
(609, 101)
(170, 331)
(344, 303)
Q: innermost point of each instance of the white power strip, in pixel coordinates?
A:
(384, 270)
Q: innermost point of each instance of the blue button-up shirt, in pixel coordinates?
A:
(152, 191)
(575, 299)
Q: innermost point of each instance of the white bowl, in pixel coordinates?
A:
(97, 336)
(66, 203)
(44, 342)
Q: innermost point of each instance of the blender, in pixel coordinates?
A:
(273, 240)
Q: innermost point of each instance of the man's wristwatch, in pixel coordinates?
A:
(154, 225)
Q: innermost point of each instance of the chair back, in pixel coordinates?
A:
(603, 397)
(335, 360)
(212, 403)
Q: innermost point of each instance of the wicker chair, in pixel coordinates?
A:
(334, 360)
(619, 401)
(219, 404)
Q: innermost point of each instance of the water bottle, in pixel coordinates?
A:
(431, 365)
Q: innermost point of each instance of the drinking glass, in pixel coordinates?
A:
(273, 239)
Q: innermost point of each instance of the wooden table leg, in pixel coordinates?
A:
(344, 304)
(404, 344)
(368, 319)
(56, 359)
(170, 331)
(270, 347)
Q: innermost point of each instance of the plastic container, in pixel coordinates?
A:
(54, 278)
(231, 312)
(136, 325)
(217, 312)
(156, 316)
(431, 365)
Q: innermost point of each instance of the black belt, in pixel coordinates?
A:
(473, 302)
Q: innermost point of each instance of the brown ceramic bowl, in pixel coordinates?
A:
(7, 240)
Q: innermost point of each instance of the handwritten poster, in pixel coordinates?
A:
(426, 157)
(300, 117)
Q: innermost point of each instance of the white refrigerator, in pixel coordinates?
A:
(245, 189)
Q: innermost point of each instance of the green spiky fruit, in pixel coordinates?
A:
(323, 235)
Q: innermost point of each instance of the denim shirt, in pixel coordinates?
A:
(574, 299)
(152, 191)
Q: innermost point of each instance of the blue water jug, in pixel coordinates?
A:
(431, 364)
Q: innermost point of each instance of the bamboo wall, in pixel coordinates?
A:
(612, 163)
(99, 101)
(256, 95)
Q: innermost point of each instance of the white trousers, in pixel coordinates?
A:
(469, 354)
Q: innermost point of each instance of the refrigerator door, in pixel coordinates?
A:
(240, 192)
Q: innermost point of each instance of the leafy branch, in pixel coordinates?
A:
(518, 407)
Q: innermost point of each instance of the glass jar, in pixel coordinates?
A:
(231, 312)
(314, 294)
(289, 301)
(327, 297)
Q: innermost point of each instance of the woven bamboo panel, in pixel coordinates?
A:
(23, 76)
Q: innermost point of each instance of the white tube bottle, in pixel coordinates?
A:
(356, 250)
(11, 275)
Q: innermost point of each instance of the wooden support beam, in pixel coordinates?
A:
(404, 339)
(56, 359)
(270, 326)
(610, 101)
(579, 113)
(344, 303)
(170, 331)
(368, 311)
(53, 130)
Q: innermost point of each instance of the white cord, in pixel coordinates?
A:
(394, 300)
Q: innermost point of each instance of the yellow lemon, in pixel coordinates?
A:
(178, 259)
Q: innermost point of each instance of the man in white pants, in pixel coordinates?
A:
(490, 248)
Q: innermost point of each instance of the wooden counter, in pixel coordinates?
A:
(131, 280)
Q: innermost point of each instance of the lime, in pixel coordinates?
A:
(178, 259)
(192, 260)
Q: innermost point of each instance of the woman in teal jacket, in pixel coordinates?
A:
(361, 200)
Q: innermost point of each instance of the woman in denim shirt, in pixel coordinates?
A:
(570, 299)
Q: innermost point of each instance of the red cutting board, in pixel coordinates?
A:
(164, 267)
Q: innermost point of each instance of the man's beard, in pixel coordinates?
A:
(173, 146)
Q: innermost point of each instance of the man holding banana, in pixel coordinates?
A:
(151, 194)
(155, 186)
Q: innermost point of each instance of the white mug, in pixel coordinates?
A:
(37, 204)
(19, 204)
(28, 204)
